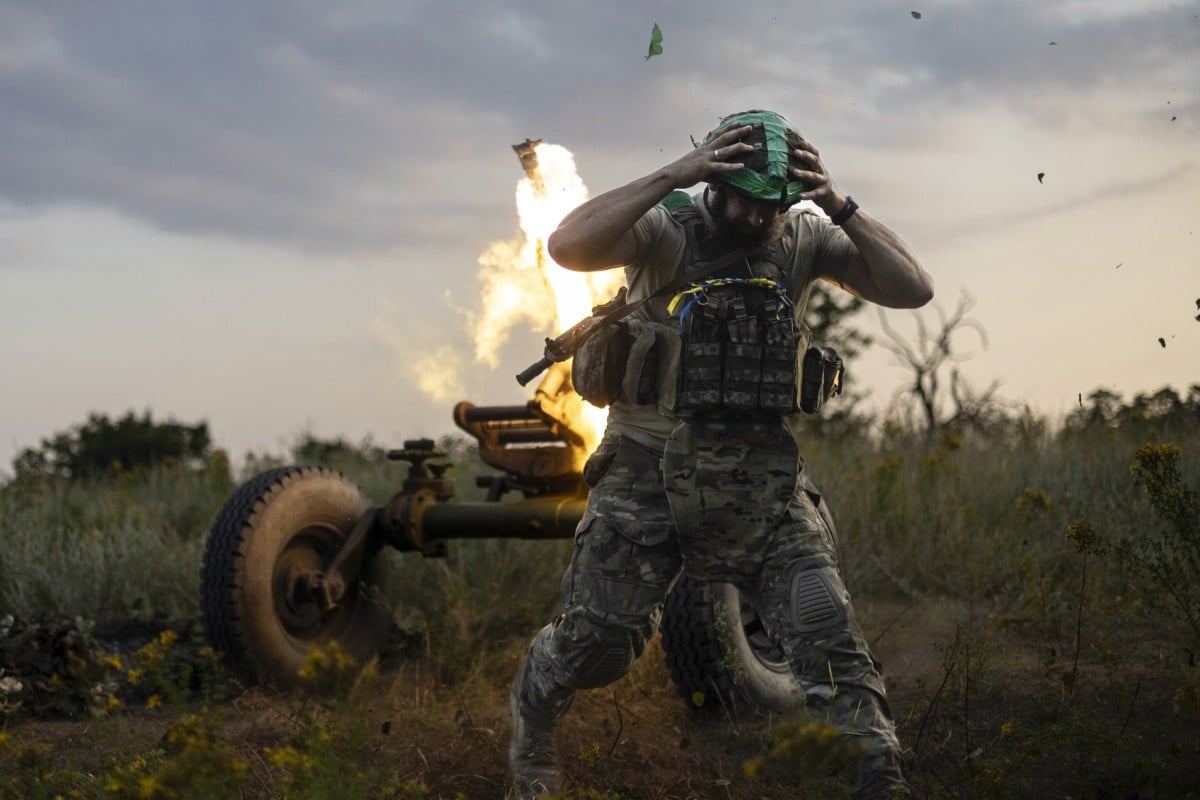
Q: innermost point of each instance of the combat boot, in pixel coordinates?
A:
(532, 756)
(880, 773)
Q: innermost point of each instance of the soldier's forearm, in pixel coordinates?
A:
(886, 271)
(599, 233)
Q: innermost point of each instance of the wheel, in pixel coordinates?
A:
(276, 530)
(720, 655)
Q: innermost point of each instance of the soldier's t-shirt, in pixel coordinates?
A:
(810, 247)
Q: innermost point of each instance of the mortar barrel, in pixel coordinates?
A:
(534, 434)
(553, 517)
(472, 413)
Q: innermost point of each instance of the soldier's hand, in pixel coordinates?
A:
(820, 188)
(722, 154)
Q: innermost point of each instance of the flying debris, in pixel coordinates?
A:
(1162, 341)
(655, 42)
(527, 152)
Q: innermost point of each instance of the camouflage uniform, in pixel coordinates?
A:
(735, 507)
(738, 514)
(626, 559)
(747, 516)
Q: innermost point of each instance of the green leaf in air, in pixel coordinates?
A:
(655, 42)
(916, 14)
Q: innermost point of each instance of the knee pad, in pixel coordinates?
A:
(816, 600)
(604, 664)
(601, 659)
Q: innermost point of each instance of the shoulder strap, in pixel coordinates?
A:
(684, 205)
(703, 270)
(681, 202)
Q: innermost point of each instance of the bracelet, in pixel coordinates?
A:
(846, 213)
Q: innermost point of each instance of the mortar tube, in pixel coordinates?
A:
(540, 518)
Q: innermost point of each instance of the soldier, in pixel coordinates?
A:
(696, 469)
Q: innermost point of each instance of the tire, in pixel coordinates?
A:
(719, 654)
(276, 523)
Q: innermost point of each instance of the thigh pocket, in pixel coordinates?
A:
(631, 498)
(614, 597)
(613, 577)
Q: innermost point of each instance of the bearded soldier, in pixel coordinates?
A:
(697, 469)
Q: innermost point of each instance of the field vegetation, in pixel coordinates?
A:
(1033, 591)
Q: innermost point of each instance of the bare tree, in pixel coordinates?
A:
(939, 398)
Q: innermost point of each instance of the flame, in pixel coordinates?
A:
(521, 283)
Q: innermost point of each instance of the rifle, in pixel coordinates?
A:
(617, 308)
(567, 343)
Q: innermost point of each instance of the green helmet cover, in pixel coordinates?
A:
(765, 176)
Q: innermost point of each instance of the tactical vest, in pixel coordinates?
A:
(730, 346)
(739, 335)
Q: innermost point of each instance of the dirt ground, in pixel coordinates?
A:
(637, 739)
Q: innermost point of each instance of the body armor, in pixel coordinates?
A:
(739, 343)
(731, 345)
(739, 333)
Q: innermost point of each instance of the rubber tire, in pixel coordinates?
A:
(719, 654)
(717, 647)
(292, 516)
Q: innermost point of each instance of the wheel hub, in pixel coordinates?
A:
(304, 596)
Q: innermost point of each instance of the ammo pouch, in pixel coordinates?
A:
(820, 378)
(625, 361)
(598, 368)
(738, 357)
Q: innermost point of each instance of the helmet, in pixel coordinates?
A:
(765, 176)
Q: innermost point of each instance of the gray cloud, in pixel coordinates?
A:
(330, 127)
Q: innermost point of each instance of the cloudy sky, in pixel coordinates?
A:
(260, 214)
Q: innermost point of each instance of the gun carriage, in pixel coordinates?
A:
(299, 558)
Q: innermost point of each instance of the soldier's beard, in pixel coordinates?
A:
(743, 236)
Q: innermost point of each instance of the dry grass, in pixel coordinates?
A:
(985, 712)
(1020, 662)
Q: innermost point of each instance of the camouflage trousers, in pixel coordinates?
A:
(729, 503)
